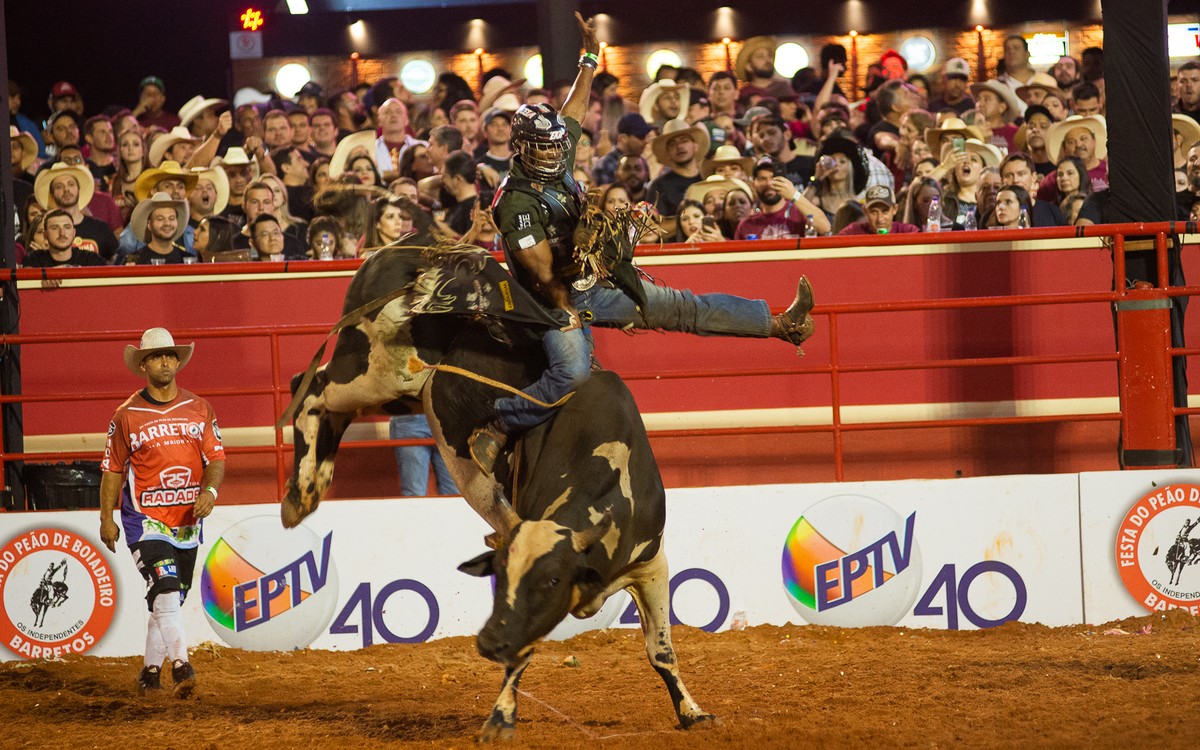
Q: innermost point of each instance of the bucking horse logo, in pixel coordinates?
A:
(50, 593)
(1184, 551)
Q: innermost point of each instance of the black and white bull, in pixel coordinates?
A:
(590, 510)
(444, 307)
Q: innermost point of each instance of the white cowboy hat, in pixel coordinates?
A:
(178, 134)
(156, 340)
(364, 139)
(1058, 131)
(657, 89)
(141, 215)
(675, 128)
(195, 106)
(249, 95)
(990, 154)
(508, 101)
(29, 148)
(748, 48)
(220, 182)
(143, 188)
(83, 176)
(1016, 107)
(726, 154)
(697, 190)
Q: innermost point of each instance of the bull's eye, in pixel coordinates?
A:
(551, 583)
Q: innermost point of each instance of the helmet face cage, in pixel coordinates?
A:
(540, 141)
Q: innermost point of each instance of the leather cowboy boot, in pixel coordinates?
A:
(485, 444)
(794, 325)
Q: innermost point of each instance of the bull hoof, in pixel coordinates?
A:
(493, 732)
(292, 514)
(702, 721)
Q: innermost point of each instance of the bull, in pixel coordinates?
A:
(576, 538)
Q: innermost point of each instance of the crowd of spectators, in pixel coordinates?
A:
(745, 154)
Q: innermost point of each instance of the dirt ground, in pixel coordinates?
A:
(772, 687)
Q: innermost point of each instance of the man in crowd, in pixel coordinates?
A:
(62, 129)
(1189, 90)
(101, 206)
(393, 139)
(209, 197)
(722, 94)
(880, 204)
(893, 99)
(309, 97)
(755, 66)
(169, 178)
(956, 73)
(1032, 138)
(293, 168)
(199, 115)
(348, 112)
(277, 131)
(259, 201)
(496, 156)
(679, 149)
(324, 132)
(662, 101)
(152, 96)
(159, 222)
(464, 115)
(458, 179)
(301, 128)
(1083, 137)
(62, 250)
(443, 140)
(177, 146)
(632, 130)
(102, 146)
(70, 188)
(1017, 70)
(24, 123)
(771, 137)
(1019, 169)
(633, 173)
(64, 95)
(267, 240)
(238, 169)
(1086, 100)
(161, 426)
(782, 210)
(1066, 72)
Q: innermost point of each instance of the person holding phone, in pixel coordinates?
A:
(782, 211)
(692, 225)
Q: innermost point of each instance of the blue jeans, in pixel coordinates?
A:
(676, 310)
(413, 460)
(569, 354)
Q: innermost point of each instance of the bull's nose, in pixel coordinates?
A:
(491, 646)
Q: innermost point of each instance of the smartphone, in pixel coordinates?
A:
(959, 143)
(780, 169)
(709, 222)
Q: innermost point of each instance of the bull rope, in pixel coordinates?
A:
(497, 384)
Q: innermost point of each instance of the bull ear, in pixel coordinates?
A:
(583, 540)
(481, 566)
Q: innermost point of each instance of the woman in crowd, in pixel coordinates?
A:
(363, 167)
(325, 238)
(281, 205)
(925, 167)
(962, 181)
(849, 213)
(692, 225)
(389, 224)
(1010, 201)
(921, 193)
(614, 197)
(451, 88)
(985, 195)
(415, 163)
(214, 234)
(841, 174)
(318, 173)
(131, 160)
(913, 125)
(738, 205)
(1071, 179)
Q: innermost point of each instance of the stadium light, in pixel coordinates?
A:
(297, 7)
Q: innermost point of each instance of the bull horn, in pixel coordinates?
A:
(582, 540)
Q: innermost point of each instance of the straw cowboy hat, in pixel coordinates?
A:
(144, 187)
(1044, 82)
(141, 215)
(178, 134)
(657, 89)
(697, 190)
(754, 43)
(29, 149)
(1182, 124)
(989, 153)
(364, 139)
(675, 128)
(220, 182)
(507, 101)
(727, 154)
(236, 156)
(195, 106)
(153, 341)
(41, 186)
(952, 126)
(1016, 107)
(1058, 132)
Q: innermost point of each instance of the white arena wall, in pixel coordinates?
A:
(955, 553)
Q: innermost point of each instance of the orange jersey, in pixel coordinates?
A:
(162, 450)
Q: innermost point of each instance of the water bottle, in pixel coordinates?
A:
(1023, 219)
(326, 248)
(933, 223)
(809, 229)
(739, 621)
(969, 223)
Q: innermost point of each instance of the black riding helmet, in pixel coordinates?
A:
(540, 141)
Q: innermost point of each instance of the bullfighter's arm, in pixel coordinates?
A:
(576, 105)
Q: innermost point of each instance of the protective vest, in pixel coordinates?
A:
(563, 204)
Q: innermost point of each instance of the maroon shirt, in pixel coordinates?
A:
(785, 222)
(860, 227)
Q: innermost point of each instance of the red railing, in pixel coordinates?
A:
(834, 314)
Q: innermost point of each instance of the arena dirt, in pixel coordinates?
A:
(1134, 683)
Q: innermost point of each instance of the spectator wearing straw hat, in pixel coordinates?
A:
(70, 187)
(755, 66)
(1084, 137)
(998, 104)
(727, 161)
(199, 115)
(177, 146)
(152, 96)
(23, 149)
(679, 149)
(663, 101)
(209, 197)
(170, 178)
(159, 221)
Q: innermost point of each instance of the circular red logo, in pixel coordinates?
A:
(1158, 549)
(57, 594)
